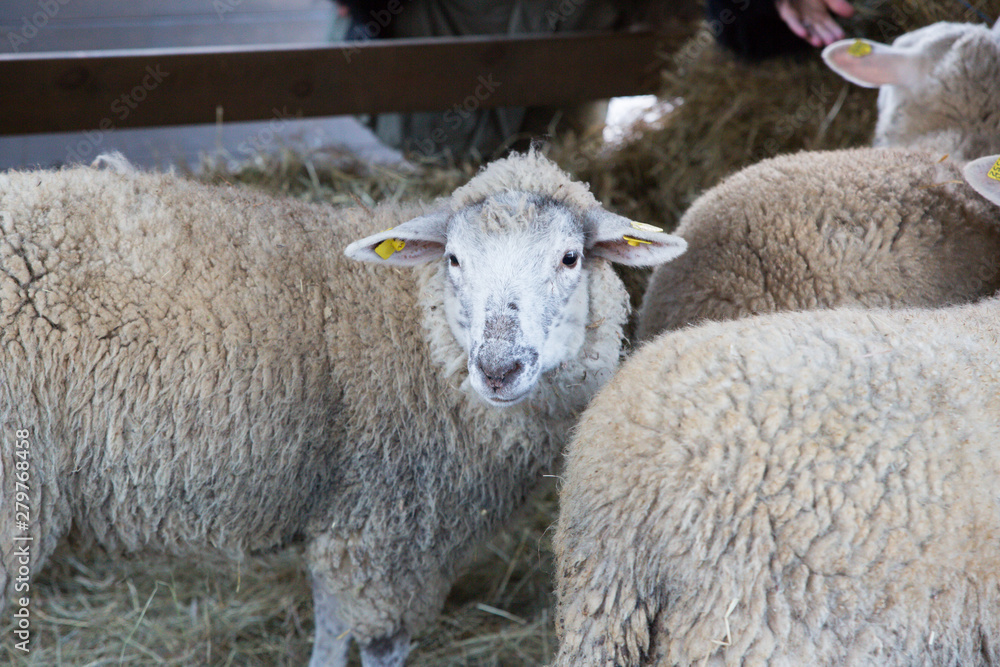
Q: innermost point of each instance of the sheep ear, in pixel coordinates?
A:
(872, 64)
(984, 177)
(627, 242)
(416, 241)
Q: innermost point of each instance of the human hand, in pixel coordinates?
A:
(811, 19)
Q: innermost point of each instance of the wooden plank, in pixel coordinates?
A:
(61, 92)
(13, 11)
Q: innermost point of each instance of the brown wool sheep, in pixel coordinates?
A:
(199, 368)
(816, 488)
(867, 227)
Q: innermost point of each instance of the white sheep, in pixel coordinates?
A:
(939, 87)
(818, 488)
(195, 368)
(868, 227)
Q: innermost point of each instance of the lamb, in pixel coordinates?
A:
(194, 368)
(939, 87)
(816, 488)
(867, 227)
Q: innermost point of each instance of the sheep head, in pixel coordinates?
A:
(938, 86)
(514, 266)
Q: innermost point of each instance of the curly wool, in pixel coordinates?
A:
(201, 368)
(802, 488)
(531, 172)
(867, 227)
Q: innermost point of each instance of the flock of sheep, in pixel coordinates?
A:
(207, 368)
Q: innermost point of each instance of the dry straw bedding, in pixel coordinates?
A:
(87, 610)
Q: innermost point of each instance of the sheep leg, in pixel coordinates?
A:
(332, 634)
(389, 651)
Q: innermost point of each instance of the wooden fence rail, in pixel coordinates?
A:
(70, 91)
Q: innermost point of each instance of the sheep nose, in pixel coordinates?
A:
(499, 374)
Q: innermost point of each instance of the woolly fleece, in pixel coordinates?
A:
(791, 489)
(867, 227)
(531, 172)
(201, 368)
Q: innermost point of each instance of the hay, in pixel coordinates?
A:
(162, 611)
(338, 179)
(165, 612)
(96, 611)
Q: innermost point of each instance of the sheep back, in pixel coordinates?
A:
(815, 488)
(868, 227)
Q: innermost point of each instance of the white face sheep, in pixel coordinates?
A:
(817, 488)
(201, 369)
(939, 87)
(870, 227)
(515, 289)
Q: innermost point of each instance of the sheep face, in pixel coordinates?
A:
(514, 269)
(515, 291)
(938, 80)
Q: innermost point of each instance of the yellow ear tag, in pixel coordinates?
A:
(994, 171)
(387, 248)
(859, 49)
(643, 227)
(632, 241)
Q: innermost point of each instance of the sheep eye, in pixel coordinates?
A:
(453, 260)
(569, 259)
